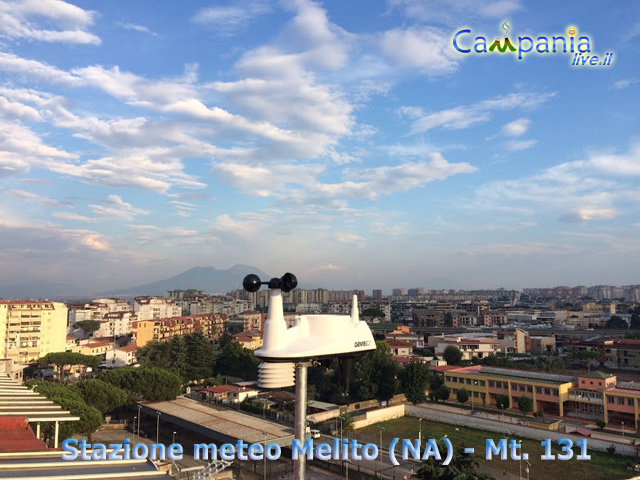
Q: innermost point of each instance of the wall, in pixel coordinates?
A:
(511, 428)
(380, 415)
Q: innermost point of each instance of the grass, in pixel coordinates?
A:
(602, 466)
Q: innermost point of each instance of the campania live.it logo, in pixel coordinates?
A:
(579, 47)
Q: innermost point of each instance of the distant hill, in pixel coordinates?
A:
(207, 279)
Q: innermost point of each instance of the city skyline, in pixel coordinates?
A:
(350, 144)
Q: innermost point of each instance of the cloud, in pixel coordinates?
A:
(73, 216)
(519, 145)
(516, 128)
(118, 209)
(137, 28)
(588, 190)
(17, 110)
(19, 20)
(374, 182)
(587, 214)
(454, 12)
(462, 117)
(51, 202)
(230, 19)
(343, 237)
(166, 236)
(426, 49)
(627, 82)
(37, 70)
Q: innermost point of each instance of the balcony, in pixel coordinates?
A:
(585, 399)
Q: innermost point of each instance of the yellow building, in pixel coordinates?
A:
(31, 329)
(163, 330)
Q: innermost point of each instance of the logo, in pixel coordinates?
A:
(364, 343)
(579, 47)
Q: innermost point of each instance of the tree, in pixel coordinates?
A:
(549, 364)
(461, 467)
(635, 321)
(586, 356)
(452, 355)
(88, 326)
(502, 401)
(70, 400)
(101, 395)
(375, 374)
(462, 395)
(62, 360)
(525, 404)
(442, 393)
(237, 361)
(151, 384)
(616, 322)
(448, 319)
(600, 423)
(373, 312)
(347, 422)
(416, 376)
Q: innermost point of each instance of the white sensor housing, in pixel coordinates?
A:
(313, 337)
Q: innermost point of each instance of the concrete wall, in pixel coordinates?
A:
(511, 428)
(380, 415)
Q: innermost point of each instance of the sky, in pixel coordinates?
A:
(347, 142)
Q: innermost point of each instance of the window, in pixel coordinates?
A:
(482, 383)
(538, 390)
(620, 401)
(547, 391)
(529, 388)
(468, 381)
(454, 379)
(491, 383)
(448, 378)
(630, 402)
(498, 384)
(522, 388)
(555, 392)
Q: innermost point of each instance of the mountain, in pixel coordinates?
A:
(207, 279)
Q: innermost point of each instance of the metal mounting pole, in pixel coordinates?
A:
(300, 465)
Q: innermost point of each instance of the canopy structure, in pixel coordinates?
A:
(18, 401)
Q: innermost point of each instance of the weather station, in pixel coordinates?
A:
(286, 353)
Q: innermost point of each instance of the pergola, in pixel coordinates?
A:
(18, 401)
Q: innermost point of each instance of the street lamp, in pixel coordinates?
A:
(158, 428)
(622, 432)
(520, 443)
(173, 438)
(133, 428)
(346, 473)
(139, 418)
(527, 469)
(475, 383)
(420, 433)
(380, 452)
(340, 417)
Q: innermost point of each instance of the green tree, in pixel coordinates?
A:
(549, 364)
(435, 381)
(586, 356)
(600, 423)
(416, 376)
(616, 322)
(462, 395)
(155, 354)
(88, 326)
(201, 356)
(442, 393)
(237, 361)
(375, 374)
(525, 404)
(461, 467)
(452, 355)
(178, 355)
(373, 312)
(448, 319)
(502, 401)
(62, 360)
(347, 422)
(70, 400)
(101, 395)
(146, 383)
(635, 320)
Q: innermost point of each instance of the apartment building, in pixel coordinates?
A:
(404, 334)
(249, 341)
(400, 347)
(593, 395)
(424, 317)
(164, 329)
(252, 321)
(125, 356)
(31, 329)
(479, 345)
(543, 345)
(151, 308)
(101, 348)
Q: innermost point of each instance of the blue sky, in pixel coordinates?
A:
(347, 142)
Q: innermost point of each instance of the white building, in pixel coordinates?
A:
(124, 356)
(151, 308)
